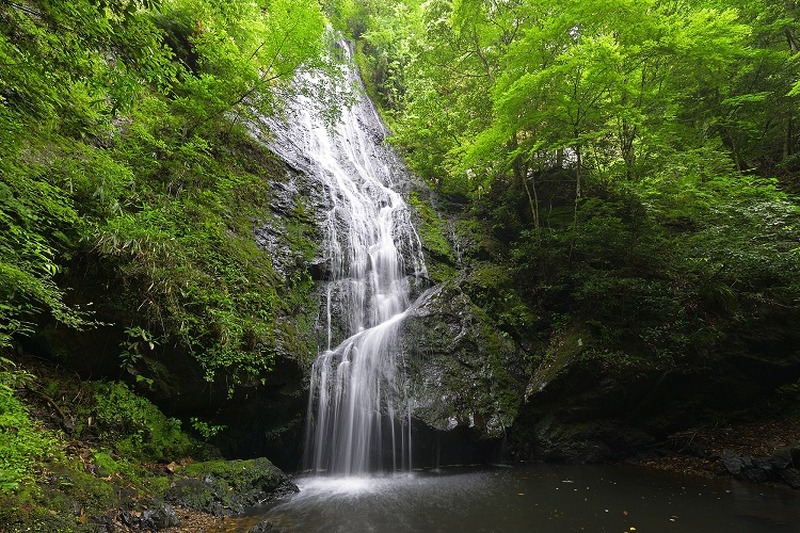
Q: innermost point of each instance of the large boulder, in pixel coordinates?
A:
(581, 408)
(460, 366)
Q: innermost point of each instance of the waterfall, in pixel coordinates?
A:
(359, 410)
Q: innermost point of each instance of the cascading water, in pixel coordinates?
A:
(358, 411)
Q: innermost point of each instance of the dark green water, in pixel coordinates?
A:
(537, 498)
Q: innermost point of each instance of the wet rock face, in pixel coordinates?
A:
(586, 406)
(460, 366)
(296, 211)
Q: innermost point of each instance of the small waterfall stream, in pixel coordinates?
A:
(359, 410)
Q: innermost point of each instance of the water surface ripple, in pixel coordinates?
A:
(540, 498)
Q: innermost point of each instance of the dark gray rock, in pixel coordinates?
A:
(320, 269)
(587, 442)
(161, 517)
(460, 365)
(781, 459)
(580, 407)
(156, 516)
(753, 475)
(791, 476)
(297, 209)
(765, 464)
(745, 468)
(734, 463)
(263, 527)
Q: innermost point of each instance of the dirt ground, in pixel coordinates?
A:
(698, 451)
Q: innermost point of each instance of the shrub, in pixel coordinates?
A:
(138, 427)
(21, 442)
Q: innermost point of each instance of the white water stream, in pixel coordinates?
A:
(359, 411)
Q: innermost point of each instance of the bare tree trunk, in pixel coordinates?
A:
(788, 140)
(791, 41)
(521, 176)
(628, 151)
(533, 200)
(578, 176)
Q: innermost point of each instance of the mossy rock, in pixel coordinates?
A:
(228, 487)
(460, 365)
(66, 498)
(433, 232)
(564, 349)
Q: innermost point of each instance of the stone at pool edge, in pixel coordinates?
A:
(162, 517)
(263, 527)
(734, 463)
(155, 516)
(791, 476)
(228, 487)
(778, 467)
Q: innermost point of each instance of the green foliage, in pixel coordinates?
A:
(137, 428)
(22, 444)
(696, 264)
(198, 276)
(66, 503)
(100, 460)
(58, 84)
(618, 158)
(205, 429)
(614, 84)
(138, 342)
(122, 155)
(30, 209)
(240, 51)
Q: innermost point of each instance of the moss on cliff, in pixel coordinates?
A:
(433, 232)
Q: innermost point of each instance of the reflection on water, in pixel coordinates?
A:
(541, 498)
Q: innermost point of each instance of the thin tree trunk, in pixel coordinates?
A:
(579, 157)
(628, 151)
(521, 175)
(533, 200)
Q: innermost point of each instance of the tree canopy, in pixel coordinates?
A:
(636, 160)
